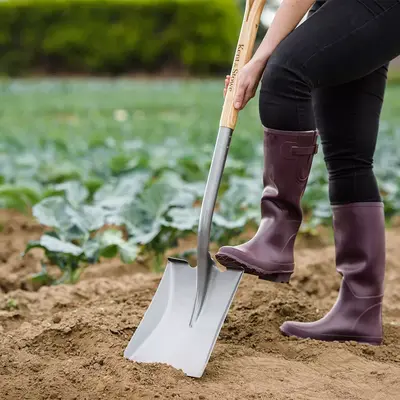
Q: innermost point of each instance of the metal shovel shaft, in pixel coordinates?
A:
(244, 50)
(204, 261)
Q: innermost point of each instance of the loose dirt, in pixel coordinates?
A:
(67, 342)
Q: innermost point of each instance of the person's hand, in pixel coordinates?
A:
(248, 79)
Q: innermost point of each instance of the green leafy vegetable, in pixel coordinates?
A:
(132, 185)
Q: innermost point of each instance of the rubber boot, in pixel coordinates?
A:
(359, 231)
(288, 158)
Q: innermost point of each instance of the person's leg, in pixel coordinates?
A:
(347, 117)
(341, 42)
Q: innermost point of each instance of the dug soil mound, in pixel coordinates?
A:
(67, 342)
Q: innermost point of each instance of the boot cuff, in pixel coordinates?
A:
(282, 132)
(378, 204)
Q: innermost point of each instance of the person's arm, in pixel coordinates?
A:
(288, 16)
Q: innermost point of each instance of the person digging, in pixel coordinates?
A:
(327, 77)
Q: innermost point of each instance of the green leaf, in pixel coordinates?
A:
(242, 197)
(110, 236)
(19, 196)
(56, 212)
(185, 193)
(114, 196)
(93, 184)
(183, 219)
(122, 162)
(109, 251)
(239, 204)
(221, 221)
(128, 252)
(32, 244)
(76, 274)
(55, 245)
(143, 216)
(92, 218)
(118, 191)
(74, 191)
(41, 278)
(28, 193)
(61, 172)
(91, 248)
(112, 241)
(11, 304)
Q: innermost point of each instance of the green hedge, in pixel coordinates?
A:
(117, 36)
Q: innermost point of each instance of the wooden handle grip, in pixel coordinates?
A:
(244, 52)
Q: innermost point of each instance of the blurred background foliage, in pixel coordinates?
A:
(121, 36)
(107, 145)
(117, 36)
(114, 37)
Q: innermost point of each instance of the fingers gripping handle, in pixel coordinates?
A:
(244, 51)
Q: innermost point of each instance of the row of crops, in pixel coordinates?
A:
(118, 168)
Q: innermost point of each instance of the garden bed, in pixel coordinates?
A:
(67, 341)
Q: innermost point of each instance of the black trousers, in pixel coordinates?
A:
(330, 73)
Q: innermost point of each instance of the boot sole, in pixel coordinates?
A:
(373, 341)
(229, 262)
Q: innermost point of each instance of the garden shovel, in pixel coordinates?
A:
(184, 319)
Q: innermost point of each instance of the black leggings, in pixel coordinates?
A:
(330, 73)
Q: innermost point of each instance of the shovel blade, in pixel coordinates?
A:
(165, 335)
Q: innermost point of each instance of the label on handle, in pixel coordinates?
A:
(235, 68)
(244, 50)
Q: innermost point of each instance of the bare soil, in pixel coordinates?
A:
(67, 342)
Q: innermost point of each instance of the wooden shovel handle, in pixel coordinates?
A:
(244, 52)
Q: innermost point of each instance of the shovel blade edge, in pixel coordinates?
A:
(164, 334)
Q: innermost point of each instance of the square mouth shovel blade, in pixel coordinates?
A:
(165, 334)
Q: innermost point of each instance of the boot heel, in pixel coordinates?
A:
(278, 278)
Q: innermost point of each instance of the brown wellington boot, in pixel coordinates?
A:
(360, 258)
(288, 158)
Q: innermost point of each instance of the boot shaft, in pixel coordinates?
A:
(288, 158)
(287, 163)
(359, 232)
